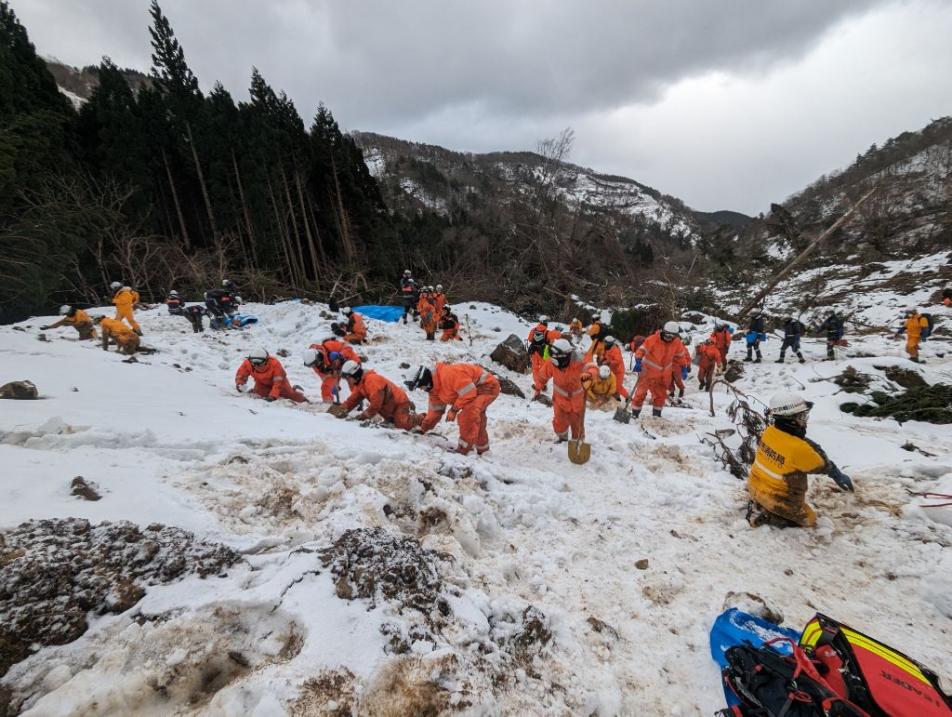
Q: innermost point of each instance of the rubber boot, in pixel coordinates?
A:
(680, 393)
(749, 356)
(800, 357)
(635, 412)
(759, 357)
(781, 359)
(656, 412)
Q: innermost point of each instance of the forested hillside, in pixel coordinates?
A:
(172, 186)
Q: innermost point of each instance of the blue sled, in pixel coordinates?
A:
(733, 627)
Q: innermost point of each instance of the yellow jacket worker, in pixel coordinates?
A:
(599, 384)
(778, 478)
(914, 325)
(124, 299)
(78, 319)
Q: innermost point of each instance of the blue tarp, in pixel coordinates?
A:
(381, 313)
(733, 627)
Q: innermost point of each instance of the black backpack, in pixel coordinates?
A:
(927, 332)
(769, 684)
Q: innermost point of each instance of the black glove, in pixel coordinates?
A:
(269, 399)
(841, 479)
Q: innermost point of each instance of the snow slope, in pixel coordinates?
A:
(536, 557)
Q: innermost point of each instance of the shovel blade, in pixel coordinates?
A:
(579, 451)
(622, 415)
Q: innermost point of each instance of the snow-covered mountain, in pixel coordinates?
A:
(422, 176)
(378, 574)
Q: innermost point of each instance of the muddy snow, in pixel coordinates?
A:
(369, 571)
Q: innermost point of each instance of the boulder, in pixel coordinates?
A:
(512, 354)
(508, 387)
(19, 390)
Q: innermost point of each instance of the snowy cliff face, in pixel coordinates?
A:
(415, 176)
(911, 213)
(380, 574)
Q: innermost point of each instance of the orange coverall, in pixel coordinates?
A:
(708, 359)
(124, 337)
(568, 397)
(330, 380)
(124, 300)
(439, 301)
(357, 329)
(722, 341)
(657, 357)
(450, 326)
(536, 353)
(616, 362)
(914, 327)
(427, 312)
(680, 360)
(468, 390)
(270, 380)
(385, 397)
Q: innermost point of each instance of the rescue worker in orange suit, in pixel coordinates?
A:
(326, 360)
(777, 482)
(384, 398)
(565, 367)
(124, 300)
(78, 319)
(596, 332)
(450, 326)
(438, 298)
(600, 386)
(354, 331)
(916, 327)
(708, 359)
(113, 330)
(271, 381)
(616, 362)
(721, 338)
(679, 372)
(655, 362)
(576, 330)
(537, 346)
(466, 390)
(428, 316)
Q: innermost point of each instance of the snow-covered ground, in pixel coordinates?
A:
(559, 589)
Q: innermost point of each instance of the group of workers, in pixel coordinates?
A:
(427, 304)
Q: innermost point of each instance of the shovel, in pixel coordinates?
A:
(579, 451)
(623, 414)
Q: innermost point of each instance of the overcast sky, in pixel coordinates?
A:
(728, 104)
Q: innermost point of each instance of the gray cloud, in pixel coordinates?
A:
(495, 74)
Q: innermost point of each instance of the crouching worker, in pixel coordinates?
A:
(384, 398)
(194, 314)
(450, 325)
(467, 390)
(115, 331)
(78, 319)
(601, 386)
(777, 482)
(271, 381)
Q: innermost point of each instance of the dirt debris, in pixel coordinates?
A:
(53, 572)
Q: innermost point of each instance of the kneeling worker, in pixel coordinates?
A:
(467, 389)
(126, 339)
(777, 482)
(601, 387)
(271, 381)
(78, 319)
(385, 398)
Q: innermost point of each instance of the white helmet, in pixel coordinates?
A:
(672, 327)
(350, 368)
(439, 287)
(610, 340)
(309, 356)
(407, 272)
(173, 293)
(604, 372)
(911, 309)
(562, 346)
(115, 286)
(346, 310)
(257, 356)
(64, 309)
(787, 403)
(544, 319)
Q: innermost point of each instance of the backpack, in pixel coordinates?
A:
(770, 684)
(927, 331)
